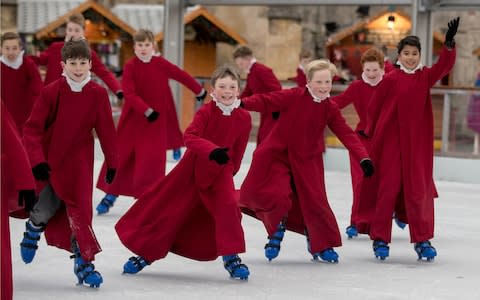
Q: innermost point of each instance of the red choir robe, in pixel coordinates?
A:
(19, 90)
(192, 211)
(400, 124)
(286, 177)
(300, 79)
(142, 145)
(52, 58)
(16, 175)
(388, 66)
(260, 79)
(59, 132)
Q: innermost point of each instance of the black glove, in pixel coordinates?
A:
(219, 155)
(110, 175)
(202, 96)
(275, 115)
(120, 95)
(153, 116)
(241, 104)
(362, 134)
(451, 32)
(367, 167)
(28, 197)
(41, 171)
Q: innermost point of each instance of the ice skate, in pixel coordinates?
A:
(380, 249)
(272, 248)
(177, 154)
(237, 270)
(400, 224)
(135, 265)
(28, 246)
(85, 271)
(328, 255)
(351, 231)
(104, 206)
(425, 250)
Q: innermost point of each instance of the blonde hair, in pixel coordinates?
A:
(78, 19)
(225, 71)
(143, 35)
(319, 65)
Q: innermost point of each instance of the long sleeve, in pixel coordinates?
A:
(181, 76)
(194, 132)
(346, 97)
(247, 91)
(443, 66)
(35, 83)
(128, 84)
(42, 59)
(103, 73)
(105, 130)
(269, 102)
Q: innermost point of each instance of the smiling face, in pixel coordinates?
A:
(372, 70)
(409, 57)
(11, 49)
(321, 83)
(77, 68)
(73, 31)
(144, 48)
(226, 90)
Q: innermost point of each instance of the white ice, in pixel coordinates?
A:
(455, 273)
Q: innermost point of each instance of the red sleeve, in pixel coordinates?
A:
(346, 97)
(104, 74)
(269, 102)
(268, 80)
(105, 129)
(301, 78)
(443, 66)
(128, 84)
(34, 129)
(42, 59)
(247, 91)
(194, 134)
(241, 144)
(181, 76)
(35, 81)
(347, 136)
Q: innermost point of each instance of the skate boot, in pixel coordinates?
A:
(177, 154)
(380, 249)
(272, 248)
(425, 250)
(400, 224)
(28, 246)
(85, 271)
(104, 206)
(351, 231)
(237, 270)
(328, 255)
(135, 265)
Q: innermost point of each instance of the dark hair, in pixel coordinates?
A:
(142, 35)
(225, 71)
(11, 36)
(373, 55)
(76, 49)
(242, 51)
(78, 19)
(410, 40)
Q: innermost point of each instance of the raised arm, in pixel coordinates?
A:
(181, 76)
(104, 74)
(270, 102)
(346, 97)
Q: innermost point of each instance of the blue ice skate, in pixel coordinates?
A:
(104, 206)
(85, 271)
(400, 224)
(425, 250)
(177, 154)
(328, 255)
(28, 246)
(272, 248)
(135, 265)
(380, 249)
(237, 270)
(351, 231)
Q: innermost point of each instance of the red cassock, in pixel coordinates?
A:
(400, 122)
(192, 211)
(20, 88)
(16, 176)
(300, 79)
(388, 66)
(286, 176)
(65, 140)
(52, 58)
(142, 144)
(261, 80)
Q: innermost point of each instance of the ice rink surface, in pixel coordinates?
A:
(455, 273)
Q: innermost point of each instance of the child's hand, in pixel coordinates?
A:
(200, 97)
(28, 197)
(367, 167)
(41, 171)
(275, 115)
(219, 155)
(153, 116)
(451, 32)
(110, 175)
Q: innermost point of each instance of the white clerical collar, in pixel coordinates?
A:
(254, 60)
(77, 86)
(145, 58)
(226, 109)
(372, 82)
(13, 64)
(404, 69)
(315, 98)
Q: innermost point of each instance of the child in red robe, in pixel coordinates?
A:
(142, 128)
(284, 187)
(192, 211)
(305, 57)
(17, 186)
(21, 82)
(52, 57)
(260, 79)
(60, 144)
(400, 124)
(359, 93)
